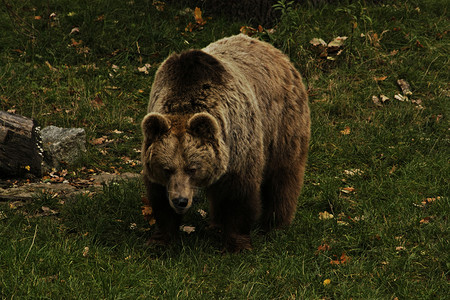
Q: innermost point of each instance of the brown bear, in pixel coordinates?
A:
(233, 119)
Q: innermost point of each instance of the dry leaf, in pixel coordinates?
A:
(326, 282)
(97, 102)
(247, 30)
(353, 172)
(406, 89)
(401, 97)
(382, 78)
(342, 260)
(75, 30)
(399, 248)
(144, 69)
(317, 42)
(336, 43)
(325, 215)
(85, 251)
(376, 101)
(187, 229)
(384, 98)
(322, 248)
(198, 17)
(346, 131)
(98, 141)
(202, 213)
(348, 190)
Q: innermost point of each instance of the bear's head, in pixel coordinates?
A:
(183, 153)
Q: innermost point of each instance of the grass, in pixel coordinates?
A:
(397, 246)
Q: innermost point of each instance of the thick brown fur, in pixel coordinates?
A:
(232, 118)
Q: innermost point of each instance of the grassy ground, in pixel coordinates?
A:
(381, 171)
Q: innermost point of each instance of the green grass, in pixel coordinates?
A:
(396, 247)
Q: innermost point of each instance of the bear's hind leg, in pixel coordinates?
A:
(279, 193)
(234, 207)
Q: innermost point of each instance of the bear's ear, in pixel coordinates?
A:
(153, 126)
(204, 126)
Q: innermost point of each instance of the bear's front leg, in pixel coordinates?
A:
(167, 221)
(234, 207)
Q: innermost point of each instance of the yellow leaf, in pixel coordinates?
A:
(326, 282)
(198, 17)
(325, 215)
(346, 130)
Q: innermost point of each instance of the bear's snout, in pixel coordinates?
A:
(180, 203)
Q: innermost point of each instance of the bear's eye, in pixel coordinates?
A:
(191, 171)
(169, 171)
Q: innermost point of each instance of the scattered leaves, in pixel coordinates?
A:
(323, 49)
(144, 69)
(353, 172)
(159, 5)
(250, 31)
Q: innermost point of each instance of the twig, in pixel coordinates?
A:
(32, 244)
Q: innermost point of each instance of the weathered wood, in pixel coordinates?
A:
(20, 146)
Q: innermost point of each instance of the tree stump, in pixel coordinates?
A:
(21, 149)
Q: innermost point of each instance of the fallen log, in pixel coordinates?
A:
(21, 149)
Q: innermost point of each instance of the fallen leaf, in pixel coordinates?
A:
(353, 172)
(202, 213)
(37, 17)
(159, 5)
(401, 97)
(85, 251)
(326, 282)
(336, 43)
(187, 229)
(247, 30)
(317, 42)
(348, 190)
(325, 215)
(322, 248)
(406, 89)
(393, 169)
(98, 141)
(97, 102)
(198, 17)
(400, 248)
(427, 220)
(376, 101)
(384, 98)
(346, 131)
(144, 69)
(75, 30)
(341, 260)
(382, 78)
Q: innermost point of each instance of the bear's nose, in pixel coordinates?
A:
(180, 202)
